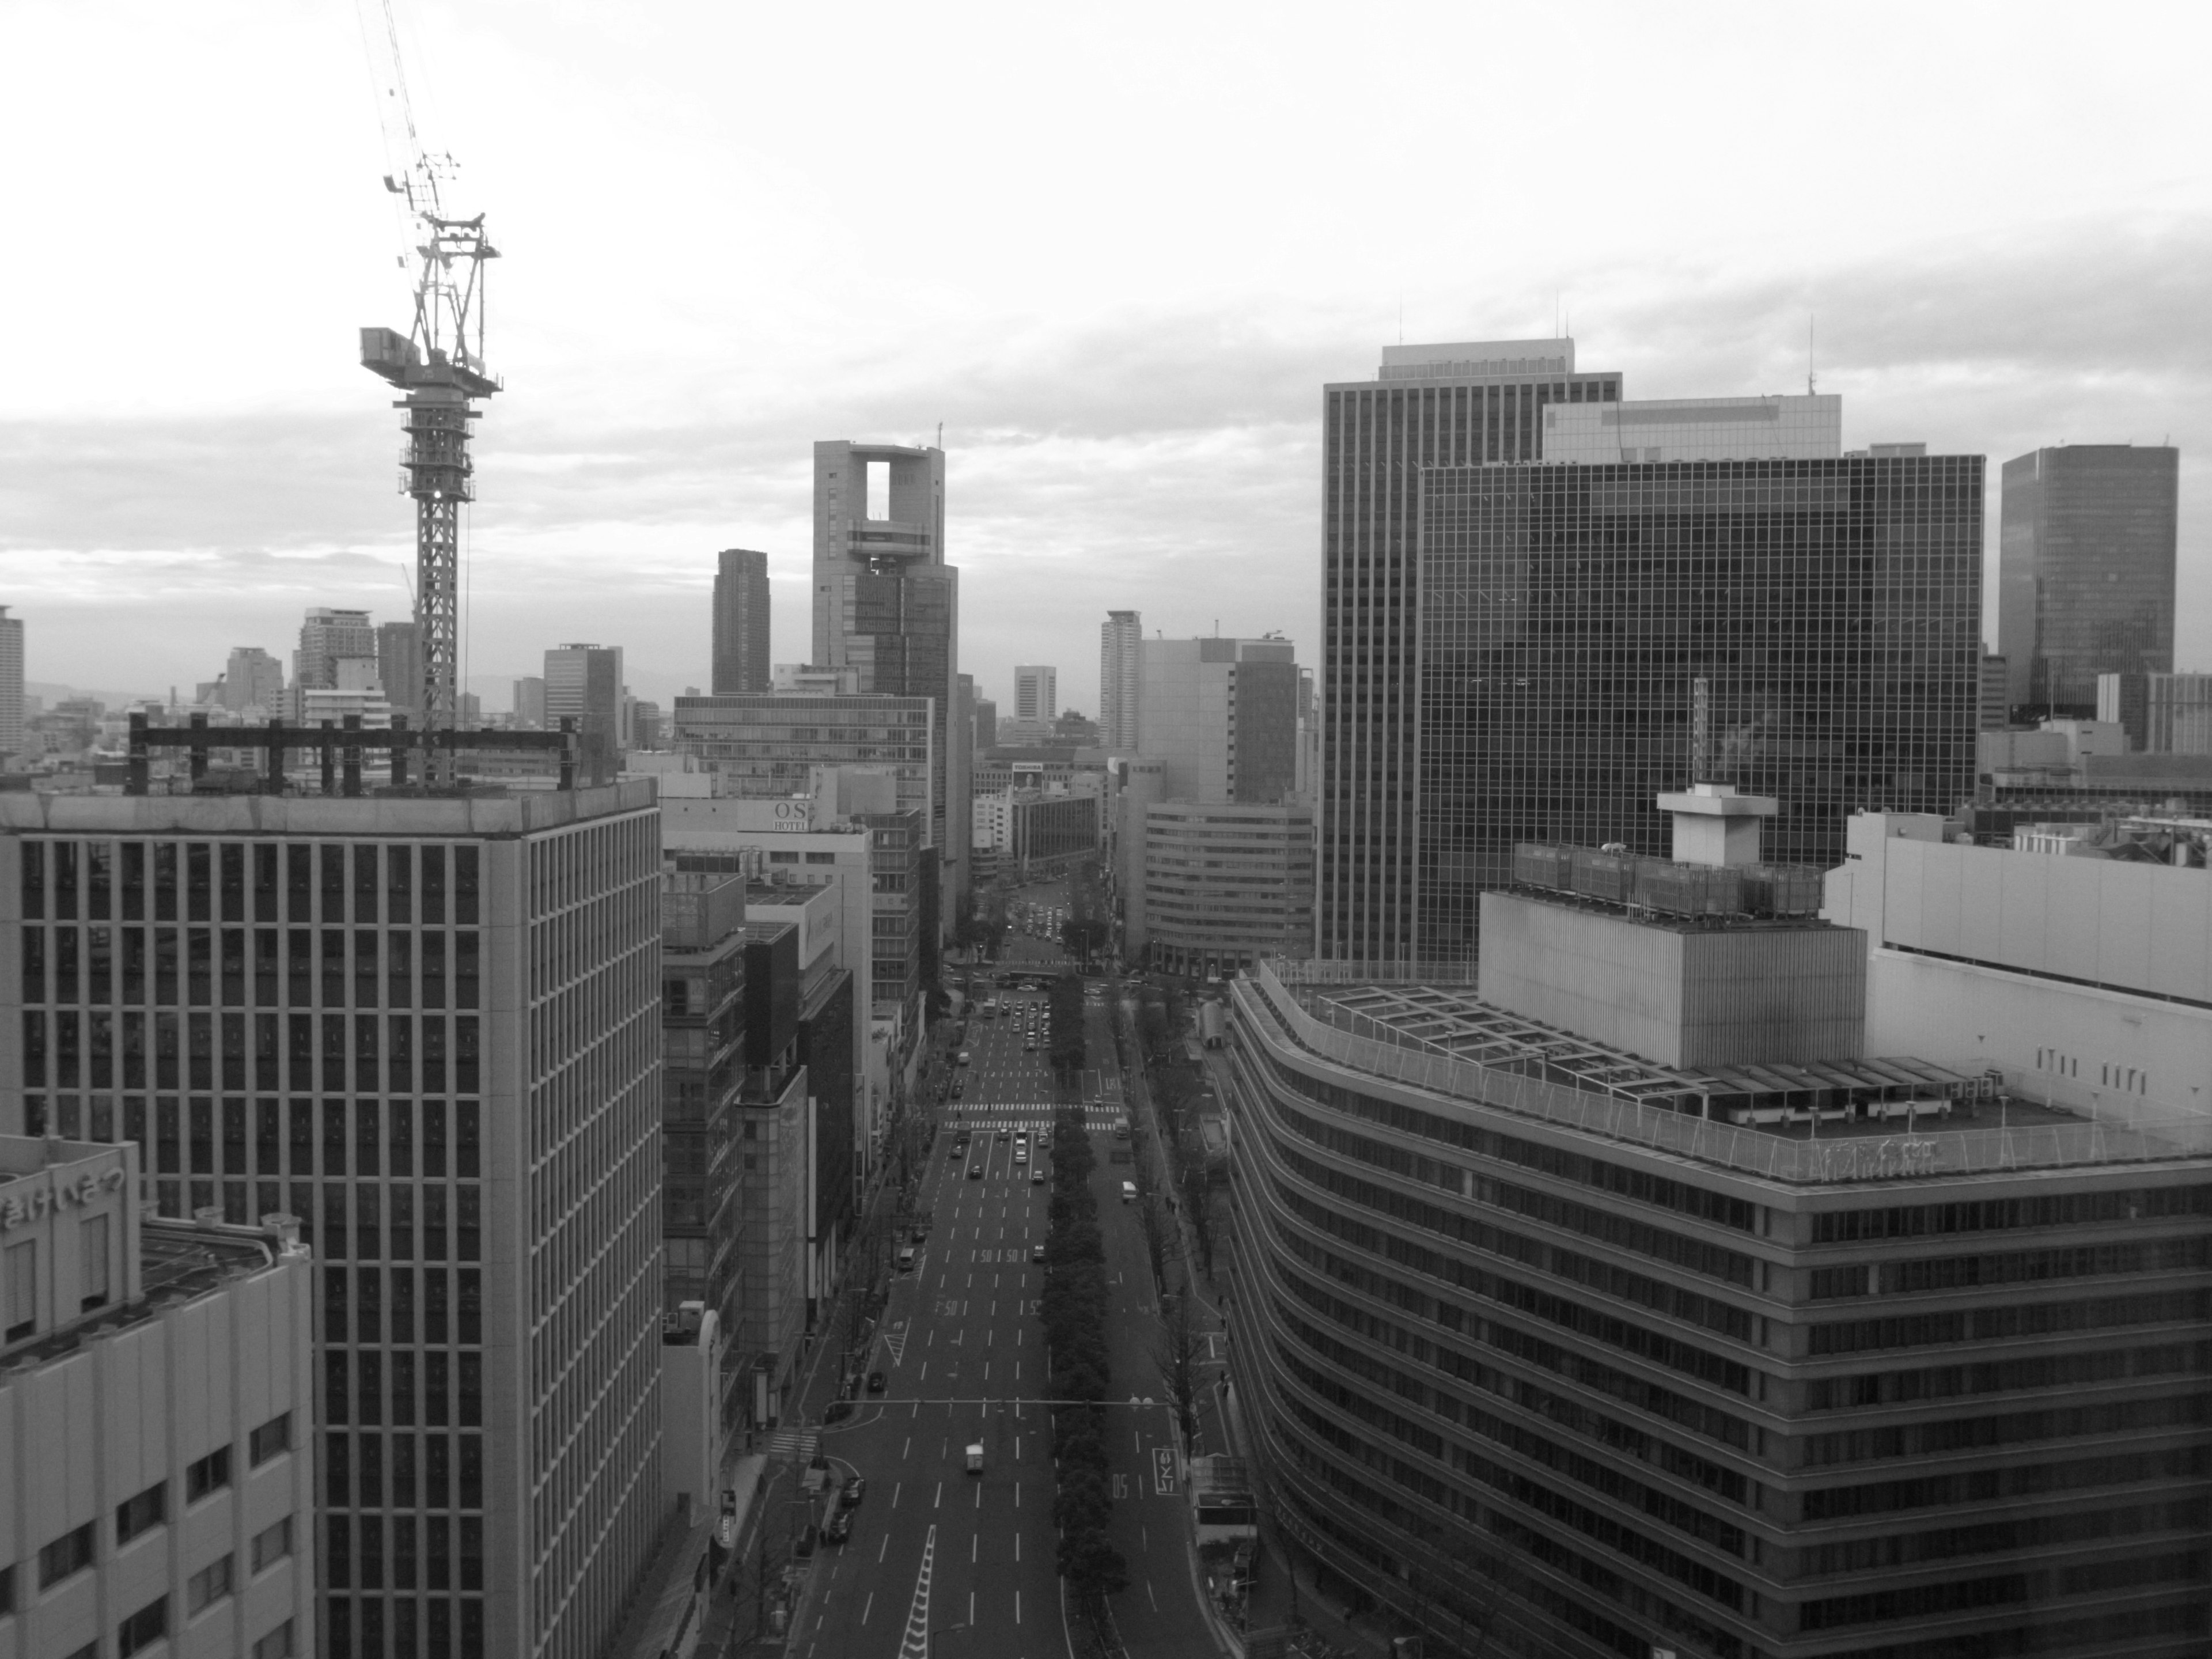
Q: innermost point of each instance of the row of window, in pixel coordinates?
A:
(416, 1552)
(200, 1135)
(405, 1054)
(103, 880)
(173, 966)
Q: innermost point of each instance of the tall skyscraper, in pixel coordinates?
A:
(1589, 636)
(1222, 716)
(529, 701)
(399, 667)
(987, 723)
(1036, 692)
(887, 604)
(11, 683)
(1118, 636)
(2085, 571)
(1429, 405)
(327, 638)
(741, 617)
(428, 1027)
(584, 683)
(253, 679)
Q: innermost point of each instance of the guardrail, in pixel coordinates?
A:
(1776, 1158)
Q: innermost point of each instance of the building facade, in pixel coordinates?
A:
(887, 606)
(1546, 1371)
(429, 1028)
(772, 745)
(1118, 636)
(741, 618)
(1588, 636)
(584, 684)
(11, 683)
(251, 679)
(1036, 692)
(2085, 571)
(1030, 831)
(1470, 405)
(1222, 886)
(157, 1410)
(702, 1003)
(1808, 429)
(399, 666)
(1222, 716)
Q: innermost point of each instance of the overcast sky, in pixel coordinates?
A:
(1115, 250)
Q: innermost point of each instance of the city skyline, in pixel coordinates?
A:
(1107, 451)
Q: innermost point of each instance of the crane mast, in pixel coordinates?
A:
(438, 363)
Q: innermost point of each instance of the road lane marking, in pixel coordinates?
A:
(1017, 1595)
(907, 1447)
(868, 1606)
(883, 1548)
(1148, 1591)
(1017, 1556)
(895, 1492)
(975, 1543)
(938, 1502)
(979, 1497)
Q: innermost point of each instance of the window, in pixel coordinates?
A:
(273, 1437)
(21, 1288)
(148, 1509)
(143, 1628)
(271, 1545)
(211, 1474)
(277, 1645)
(207, 1586)
(71, 1552)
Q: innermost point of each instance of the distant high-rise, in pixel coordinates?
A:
(328, 637)
(741, 615)
(583, 683)
(1467, 404)
(1036, 692)
(529, 703)
(1118, 639)
(1221, 715)
(253, 679)
(887, 604)
(2085, 571)
(987, 723)
(399, 667)
(11, 683)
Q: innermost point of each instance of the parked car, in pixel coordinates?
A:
(840, 1527)
(854, 1490)
(877, 1382)
(837, 1411)
(1036, 1252)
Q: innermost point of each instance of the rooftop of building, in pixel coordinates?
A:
(478, 813)
(1815, 1124)
(1470, 360)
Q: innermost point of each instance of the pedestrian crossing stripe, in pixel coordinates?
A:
(793, 1442)
(914, 1644)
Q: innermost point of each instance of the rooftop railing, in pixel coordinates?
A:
(1707, 1140)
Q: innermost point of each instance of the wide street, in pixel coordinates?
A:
(968, 1558)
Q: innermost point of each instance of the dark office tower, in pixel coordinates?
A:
(1435, 405)
(987, 723)
(887, 604)
(2085, 571)
(399, 667)
(741, 646)
(1592, 636)
(429, 1028)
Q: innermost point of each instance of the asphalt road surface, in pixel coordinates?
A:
(968, 1557)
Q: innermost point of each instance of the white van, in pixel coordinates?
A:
(906, 1260)
(1129, 1192)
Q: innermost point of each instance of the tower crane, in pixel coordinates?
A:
(438, 363)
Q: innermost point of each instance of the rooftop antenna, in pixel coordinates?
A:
(1811, 379)
(940, 434)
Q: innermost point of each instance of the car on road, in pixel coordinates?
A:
(975, 1172)
(1003, 1133)
(877, 1382)
(849, 1497)
(840, 1527)
(1036, 1177)
(1036, 1252)
(837, 1411)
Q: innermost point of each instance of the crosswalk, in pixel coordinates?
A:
(799, 1444)
(995, 1115)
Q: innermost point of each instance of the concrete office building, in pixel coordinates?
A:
(741, 618)
(251, 679)
(529, 703)
(770, 745)
(987, 726)
(1221, 886)
(775, 1174)
(703, 990)
(1119, 637)
(1031, 833)
(11, 683)
(327, 638)
(2085, 571)
(1589, 634)
(156, 1420)
(399, 667)
(1036, 692)
(1464, 404)
(887, 606)
(1994, 712)
(2177, 716)
(1810, 429)
(1221, 715)
(2086, 981)
(429, 1028)
(584, 684)
(1553, 1348)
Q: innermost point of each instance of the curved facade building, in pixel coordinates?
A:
(1546, 1371)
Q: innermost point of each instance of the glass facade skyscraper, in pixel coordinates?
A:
(741, 618)
(1441, 405)
(1591, 636)
(2085, 571)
